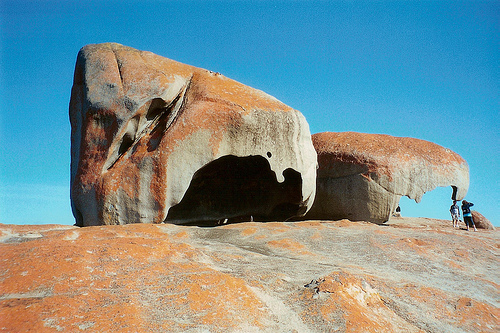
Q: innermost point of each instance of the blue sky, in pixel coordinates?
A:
(422, 69)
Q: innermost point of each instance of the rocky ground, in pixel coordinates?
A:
(410, 275)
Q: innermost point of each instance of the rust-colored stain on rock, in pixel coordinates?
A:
(312, 276)
(116, 279)
(362, 177)
(380, 152)
(289, 245)
(142, 125)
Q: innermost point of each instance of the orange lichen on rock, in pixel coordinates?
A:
(420, 246)
(116, 279)
(249, 277)
(289, 245)
(480, 316)
(381, 153)
(249, 231)
(143, 126)
(361, 306)
(361, 176)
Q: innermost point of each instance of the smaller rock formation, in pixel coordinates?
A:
(363, 176)
(481, 222)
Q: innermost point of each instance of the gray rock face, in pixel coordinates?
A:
(154, 140)
(363, 176)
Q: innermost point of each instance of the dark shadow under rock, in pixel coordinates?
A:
(235, 189)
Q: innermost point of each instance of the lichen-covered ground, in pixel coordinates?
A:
(410, 275)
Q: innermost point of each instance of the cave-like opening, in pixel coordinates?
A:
(238, 189)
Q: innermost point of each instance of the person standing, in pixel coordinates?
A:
(455, 214)
(466, 213)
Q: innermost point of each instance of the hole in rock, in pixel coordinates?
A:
(162, 116)
(158, 119)
(238, 189)
(435, 204)
(127, 141)
(78, 217)
(269, 154)
(454, 194)
(156, 107)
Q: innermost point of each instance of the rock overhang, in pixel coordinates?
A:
(362, 176)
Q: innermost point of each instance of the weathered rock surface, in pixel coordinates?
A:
(152, 138)
(481, 222)
(410, 275)
(361, 177)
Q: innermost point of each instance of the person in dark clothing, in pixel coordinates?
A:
(466, 213)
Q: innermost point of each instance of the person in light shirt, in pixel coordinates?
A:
(455, 213)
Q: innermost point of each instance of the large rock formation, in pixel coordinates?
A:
(155, 140)
(411, 275)
(363, 176)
